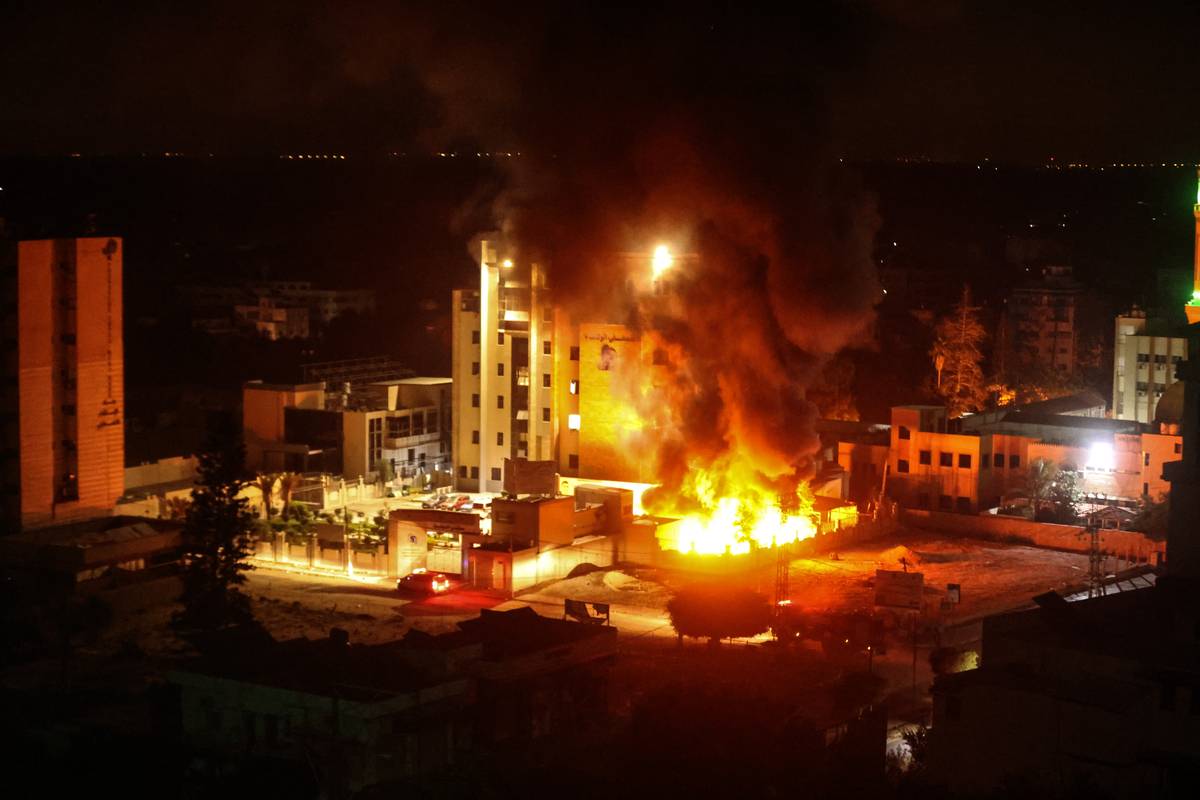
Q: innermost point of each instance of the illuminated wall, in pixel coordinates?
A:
(609, 356)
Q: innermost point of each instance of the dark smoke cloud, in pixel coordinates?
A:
(709, 133)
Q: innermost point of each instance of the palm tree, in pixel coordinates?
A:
(266, 484)
(289, 482)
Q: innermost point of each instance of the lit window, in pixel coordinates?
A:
(573, 421)
(574, 389)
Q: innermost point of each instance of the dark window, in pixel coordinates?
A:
(500, 338)
(946, 459)
(945, 502)
(1145, 459)
(925, 457)
(500, 438)
(375, 432)
(474, 337)
(474, 472)
(1014, 462)
(964, 460)
(1143, 358)
(573, 461)
(1145, 488)
(905, 433)
(495, 473)
(499, 401)
(462, 471)
(546, 380)
(998, 460)
(474, 367)
(545, 415)
(500, 370)
(963, 505)
(546, 350)
(574, 353)
(418, 423)
(474, 401)
(412, 454)
(1178, 448)
(902, 465)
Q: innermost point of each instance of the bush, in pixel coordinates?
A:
(716, 612)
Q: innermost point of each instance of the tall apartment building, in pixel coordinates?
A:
(531, 382)
(64, 401)
(1145, 355)
(1043, 321)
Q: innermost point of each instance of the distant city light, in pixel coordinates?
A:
(662, 260)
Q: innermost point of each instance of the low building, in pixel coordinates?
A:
(364, 715)
(308, 428)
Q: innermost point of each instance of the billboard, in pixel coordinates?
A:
(522, 476)
(899, 589)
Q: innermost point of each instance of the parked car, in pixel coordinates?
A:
(462, 502)
(423, 583)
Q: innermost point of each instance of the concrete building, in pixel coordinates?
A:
(275, 309)
(64, 400)
(968, 465)
(1043, 323)
(1146, 353)
(309, 428)
(274, 319)
(531, 382)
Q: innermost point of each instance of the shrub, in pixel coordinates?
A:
(716, 611)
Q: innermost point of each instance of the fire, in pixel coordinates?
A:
(735, 519)
(662, 260)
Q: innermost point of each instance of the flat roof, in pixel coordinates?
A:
(284, 387)
(419, 381)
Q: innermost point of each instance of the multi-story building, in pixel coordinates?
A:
(309, 428)
(940, 464)
(275, 309)
(532, 382)
(274, 319)
(1145, 355)
(1043, 321)
(64, 399)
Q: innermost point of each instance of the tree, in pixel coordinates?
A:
(266, 486)
(289, 482)
(957, 346)
(1152, 517)
(1053, 492)
(216, 535)
(175, 508)
(717, 612)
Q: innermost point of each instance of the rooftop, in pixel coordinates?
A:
(419, 381)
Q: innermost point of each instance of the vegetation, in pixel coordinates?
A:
(1152, 517)
(216, 535)
(289, 482)
(1053, 492)
(958, 357)
(717, 612)
(266, 486)
(175, 508)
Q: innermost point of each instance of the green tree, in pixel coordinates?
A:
(216, 535)
(717, 612)
(958, 356)
(1053, 491)
(266, 486)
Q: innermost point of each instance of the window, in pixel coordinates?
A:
(998, 460)
(546, 349)
(574, 353)
(474, 337)
(462, 471)
(945, 502)
(902, 465)
(500, 370)
(474, 437)
(1143, 358)
(500, 338)
(574, 387)
(1145, 488)
(905, 433)
(499, 401)
(1178, 448)
(962, 505)
(474, 367)
(418, 424)
(1145, 459)
(573, 422)
(495, 473)
(573, 461)
(474, 401)
(545, 415)
(925, 457)
(1014, 462)
(475, 472)
(546, 380)
(398, 427)
(375, 436)
(964, 460)
(431, 422)
(500, 438)
(945, 459)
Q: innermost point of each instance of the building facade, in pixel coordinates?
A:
(64, 400)
(1043, 321)
(1145, 355)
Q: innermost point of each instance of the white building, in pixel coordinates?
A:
(1145, 354)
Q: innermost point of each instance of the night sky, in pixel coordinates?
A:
(1012, 81)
